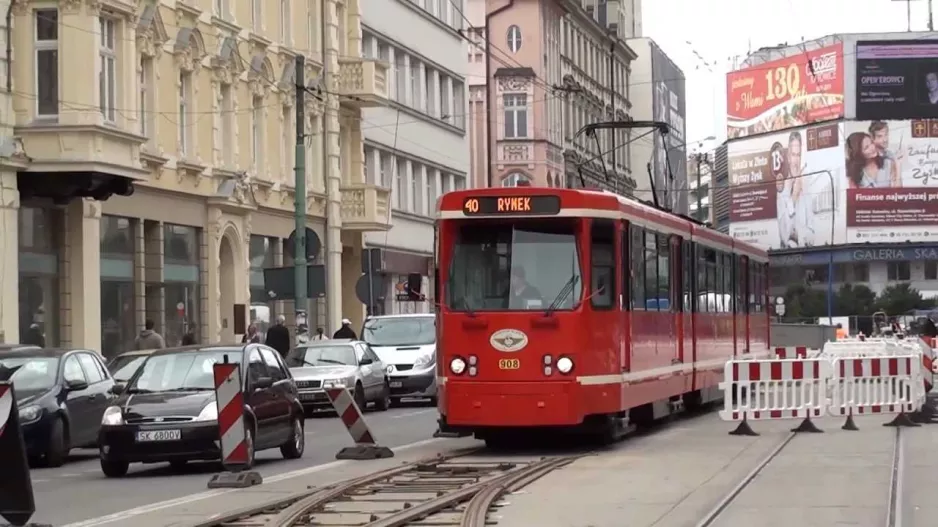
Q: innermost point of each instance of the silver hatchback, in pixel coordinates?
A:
(346, 363)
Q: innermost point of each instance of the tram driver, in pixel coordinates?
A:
(523, 295)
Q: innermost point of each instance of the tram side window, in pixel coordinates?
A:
(739, 284)
(710, 297)
(651, 271)
(687, 257)
(663, 296)
(728, 278)
(638, 267)
(602, 249)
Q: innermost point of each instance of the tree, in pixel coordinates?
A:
(899, 299)
(804, 302)
(854, 300)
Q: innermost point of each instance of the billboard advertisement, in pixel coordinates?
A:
(897, 79)
(786, 93)
(669, 107)
(891, 173)
(784, 188)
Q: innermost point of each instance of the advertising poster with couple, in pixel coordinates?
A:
(892, 181)
(781, 195)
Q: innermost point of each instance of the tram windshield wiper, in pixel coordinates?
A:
(562, 294)
(469, 311)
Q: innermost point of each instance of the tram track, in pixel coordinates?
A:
(893, 502)
(458, 489)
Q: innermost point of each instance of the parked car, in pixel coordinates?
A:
(123, 366)
(407, 344)
(322, 364)
(7, 347)
(167, 411)
(61, 395)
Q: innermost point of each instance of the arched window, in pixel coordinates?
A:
(512, 180)
(514, 38)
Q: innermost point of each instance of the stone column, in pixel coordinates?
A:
(9, 257)
(83, 231)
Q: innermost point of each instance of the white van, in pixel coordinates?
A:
(407, 344)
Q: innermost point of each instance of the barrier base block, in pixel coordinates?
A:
(850, 425)
(807, 426)
(363, 452)
(235, 480)
(923, 418)
(902, 420)
(440, 433)
(744, 430)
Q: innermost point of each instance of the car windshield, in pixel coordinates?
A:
(123, 368)
(180, 371)
(34, 373)
(322, 356)
(404, 331)
(522, 265)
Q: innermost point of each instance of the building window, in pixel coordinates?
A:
(400, 79)
(514, 179)
(459, 104)
(181, 281)
(287, 141)
(861, 272)
(256, 13)
(261, 254)
(107, 80)
(145, 101)
(414, 83)
(39, 255)
(227, 127)
(460, 183)
(514, 38)
(415, 174)
(931, 270)
(257, 133)
(47, 62)
(445, 100)
(387, 169)
(516, 116)
(285, 21)
(443, 10)
(185, 94)
(118, 308)
(400, 201)
(898, 271)
(428, 78)
(221, 9)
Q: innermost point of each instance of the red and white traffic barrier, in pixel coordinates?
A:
(237, 451)
(877, 385)
(365, 445)
(755, 390)
(790, 352)
(6, 405)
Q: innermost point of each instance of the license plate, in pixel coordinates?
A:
(509, 364)
(159, 435)
(308, 396)
(396, 384)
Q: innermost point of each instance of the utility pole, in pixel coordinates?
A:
(332, 170)
(299, 202)
(701, 158)
(931, 18)
(612, 103)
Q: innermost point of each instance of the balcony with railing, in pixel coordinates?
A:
(363, 83)
(365, 207)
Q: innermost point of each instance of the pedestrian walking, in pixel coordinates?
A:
(149, 339)
(346, 331)
(278, 336)
(252, 336)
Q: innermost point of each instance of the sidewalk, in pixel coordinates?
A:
(673, 478)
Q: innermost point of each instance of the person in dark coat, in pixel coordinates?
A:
(34, 336)
(278, 336)
(346, 331)
(188, 339)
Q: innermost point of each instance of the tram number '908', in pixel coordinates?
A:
(509, 364)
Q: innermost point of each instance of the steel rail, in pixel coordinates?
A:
(894, 504)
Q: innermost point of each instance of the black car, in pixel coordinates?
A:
(167, 411)
(123, 366)
(61, 394)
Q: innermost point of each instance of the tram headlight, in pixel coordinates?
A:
(457, 365)
(564, 364)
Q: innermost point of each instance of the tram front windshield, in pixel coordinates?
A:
(525, 265)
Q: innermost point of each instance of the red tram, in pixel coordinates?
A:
(576, 309)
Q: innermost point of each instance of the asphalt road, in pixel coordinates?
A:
(79, 491)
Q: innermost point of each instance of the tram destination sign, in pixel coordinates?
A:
(497, 205)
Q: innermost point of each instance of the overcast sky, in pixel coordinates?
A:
(719, 30)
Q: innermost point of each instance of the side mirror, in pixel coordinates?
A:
(263, 383)
(117, 389)
(366, 361)
(75, 386)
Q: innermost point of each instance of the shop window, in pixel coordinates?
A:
(898, 271)
(931, 270)
(39, 253)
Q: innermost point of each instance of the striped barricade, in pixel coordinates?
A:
(861, 348)
(796, 352)
(236, 443)
(351, 415)
(775, 389)
(877, 385)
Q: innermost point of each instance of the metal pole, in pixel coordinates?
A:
(830, 253)
(332, 169)
(931, 18)
(299, 202)
(698, 186)
(371, 288)
(612, 104)
(908, 13)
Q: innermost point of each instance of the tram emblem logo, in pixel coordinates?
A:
(509, 340)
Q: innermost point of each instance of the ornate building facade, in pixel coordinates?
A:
(155, 164)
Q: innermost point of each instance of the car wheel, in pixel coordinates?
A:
(384, 401)
(395, 402)
(360, 397)
(114, 468)
(294, 447)
(57, 449)
(249, 444)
